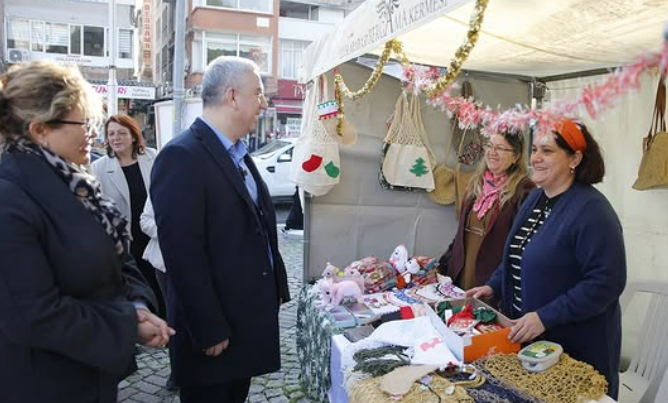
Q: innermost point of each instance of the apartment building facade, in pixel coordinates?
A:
(51, 30)
(299, 24)
(272, 33)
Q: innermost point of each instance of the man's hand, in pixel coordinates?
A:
(150, 335)
(526, 328)
(153, 331)
(216, 350)
(484, 292)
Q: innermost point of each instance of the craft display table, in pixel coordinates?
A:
(320, 346)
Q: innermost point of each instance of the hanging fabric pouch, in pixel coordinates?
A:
(407, 160)
(653, 170)
(328, 114)
(316, 165)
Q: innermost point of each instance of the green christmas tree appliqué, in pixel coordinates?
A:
(419, 168)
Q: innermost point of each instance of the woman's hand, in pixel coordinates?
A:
(152, 330)
(484, 292)
(526, 328)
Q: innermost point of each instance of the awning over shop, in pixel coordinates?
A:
(288, 106)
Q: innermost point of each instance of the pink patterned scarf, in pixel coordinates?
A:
(491, 186)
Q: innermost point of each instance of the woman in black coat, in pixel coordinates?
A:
(72, 303)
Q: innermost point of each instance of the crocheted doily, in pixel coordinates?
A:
(569, 381)
(368, 390)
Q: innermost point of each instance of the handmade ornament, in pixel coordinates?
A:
(332, 119)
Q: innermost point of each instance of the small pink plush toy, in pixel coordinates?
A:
(336, 275)
(334, 293)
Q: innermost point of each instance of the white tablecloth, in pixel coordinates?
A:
(337, 394)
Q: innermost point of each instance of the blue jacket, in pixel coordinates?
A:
(214, 243)
(67, 323)
(573, 272)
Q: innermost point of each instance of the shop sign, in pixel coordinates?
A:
(127, 92)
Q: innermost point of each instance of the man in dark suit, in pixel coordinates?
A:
(217, 230)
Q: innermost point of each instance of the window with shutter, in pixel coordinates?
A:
(56, 38)
(18, 34)
(37, 36)
(125, 43)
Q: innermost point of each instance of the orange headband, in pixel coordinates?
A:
(572, 134)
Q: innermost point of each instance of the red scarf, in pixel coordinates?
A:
(491, 185)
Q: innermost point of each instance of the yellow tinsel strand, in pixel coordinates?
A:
(462, 53)
(341, 89)
(392, 46)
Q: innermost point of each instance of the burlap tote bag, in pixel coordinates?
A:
(444, 177)
(407, 159)
(653, 170)
(462, 177)
(328, 114)
(451, 183)
(316, 164)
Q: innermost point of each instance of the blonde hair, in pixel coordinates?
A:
(516, 172)
(42, 91)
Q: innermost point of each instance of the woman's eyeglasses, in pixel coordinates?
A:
(497, 149)
(88, 124)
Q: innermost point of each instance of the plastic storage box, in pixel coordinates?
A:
(539, 356)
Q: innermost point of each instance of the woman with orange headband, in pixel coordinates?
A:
(564, 265)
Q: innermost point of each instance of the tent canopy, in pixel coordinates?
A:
(522, 37)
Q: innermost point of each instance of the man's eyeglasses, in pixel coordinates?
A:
(88, 124)
(498, 149)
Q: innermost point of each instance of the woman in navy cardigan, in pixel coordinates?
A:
(72, 302)
(564, 265)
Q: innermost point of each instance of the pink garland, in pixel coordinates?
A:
(594, 98)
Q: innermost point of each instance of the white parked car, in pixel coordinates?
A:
(273, 161)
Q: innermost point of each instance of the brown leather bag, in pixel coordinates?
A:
(653, 170)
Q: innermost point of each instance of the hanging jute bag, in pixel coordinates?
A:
(469, 154)
(316, 164)
(444, 178)
(451, 183)
(407, 160)
(328, 114)
(462, 178)
(653, 171)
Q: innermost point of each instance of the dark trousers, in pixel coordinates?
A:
(295, 218)
(148, 271)
(229, 392)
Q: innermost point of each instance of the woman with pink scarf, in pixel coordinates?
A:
(493, 197)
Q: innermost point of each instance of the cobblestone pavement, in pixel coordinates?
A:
(147, 385)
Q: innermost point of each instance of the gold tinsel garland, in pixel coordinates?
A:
(463, 52)
(341, 89)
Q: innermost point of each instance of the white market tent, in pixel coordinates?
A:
(565, 43)
(522, 37)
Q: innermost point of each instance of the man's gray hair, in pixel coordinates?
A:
(223, 73)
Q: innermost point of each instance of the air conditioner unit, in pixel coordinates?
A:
(17, 55)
